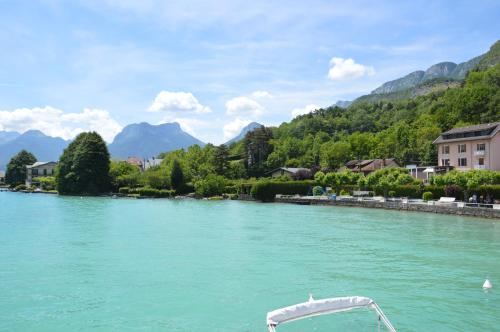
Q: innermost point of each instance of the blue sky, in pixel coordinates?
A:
(214, 66)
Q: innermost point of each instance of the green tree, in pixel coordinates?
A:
(176, 175)
(16, 168)
(123, 174)
(221, 159)
(236, 170)
(212, 185)
(84, 166)
(257, 149)
(334, 155)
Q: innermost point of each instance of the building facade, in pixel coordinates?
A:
(472, 147)
(39, 169)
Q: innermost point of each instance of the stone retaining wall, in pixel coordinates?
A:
(444, 209)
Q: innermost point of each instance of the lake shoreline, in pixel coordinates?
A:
(430, 207)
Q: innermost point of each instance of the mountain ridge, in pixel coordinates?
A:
(146, 140)
(249, 127)
(437, 77)
(45, 148)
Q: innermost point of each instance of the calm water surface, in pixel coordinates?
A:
(99, 264)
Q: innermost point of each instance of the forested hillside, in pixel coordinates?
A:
(386, 129)
(327, 138)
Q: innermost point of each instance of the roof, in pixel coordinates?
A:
(478, 127)
(134, 161)
(481, 131)
(292, 170)
(41, 163)
(368, 165)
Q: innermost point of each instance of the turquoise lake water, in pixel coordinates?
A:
(101, 264)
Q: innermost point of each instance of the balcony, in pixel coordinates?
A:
(479, 152)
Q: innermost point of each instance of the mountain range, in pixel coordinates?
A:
(45, 148)
(439, 76)
(145, 140)
(141, 140)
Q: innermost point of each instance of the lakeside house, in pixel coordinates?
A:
(150, 163)
(144, 164)
(291, 171)
(40, 168)
(2, 177)
(472, 147)
(134, 161)
(368, 166)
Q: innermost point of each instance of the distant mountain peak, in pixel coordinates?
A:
(145, 140)
(44, 147)
(248, 128)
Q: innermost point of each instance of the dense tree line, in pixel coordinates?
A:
(327, 138)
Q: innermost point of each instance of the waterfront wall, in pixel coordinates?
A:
(395, 205)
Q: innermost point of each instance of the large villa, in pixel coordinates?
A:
(472, 147)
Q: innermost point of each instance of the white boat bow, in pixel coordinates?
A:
(323, 307)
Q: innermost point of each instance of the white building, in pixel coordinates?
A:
(40, 168)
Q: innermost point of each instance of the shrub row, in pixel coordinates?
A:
(492, 190)
(411, 191)
(266, 191)
(147, 192)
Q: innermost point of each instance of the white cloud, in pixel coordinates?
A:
(304, 110)
(243, 106)
(341, 69)
(167, 101)
(261, 94)
(234, 127)
(54, 122)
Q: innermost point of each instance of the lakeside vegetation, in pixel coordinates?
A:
(322, 141)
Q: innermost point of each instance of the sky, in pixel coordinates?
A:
(215, 66)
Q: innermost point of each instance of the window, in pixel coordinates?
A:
(445, 149)
(462, 161)
(462, 148)
(34, 171)
(445, 162)
(481, 147)
(45, 172)
(481, 161)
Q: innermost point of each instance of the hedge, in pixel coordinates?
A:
(408, 190)
(124, 190)
(266, 191)
(437, 191)
(492, 190)
(413, 191)
(186, 188)
(150, 192)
